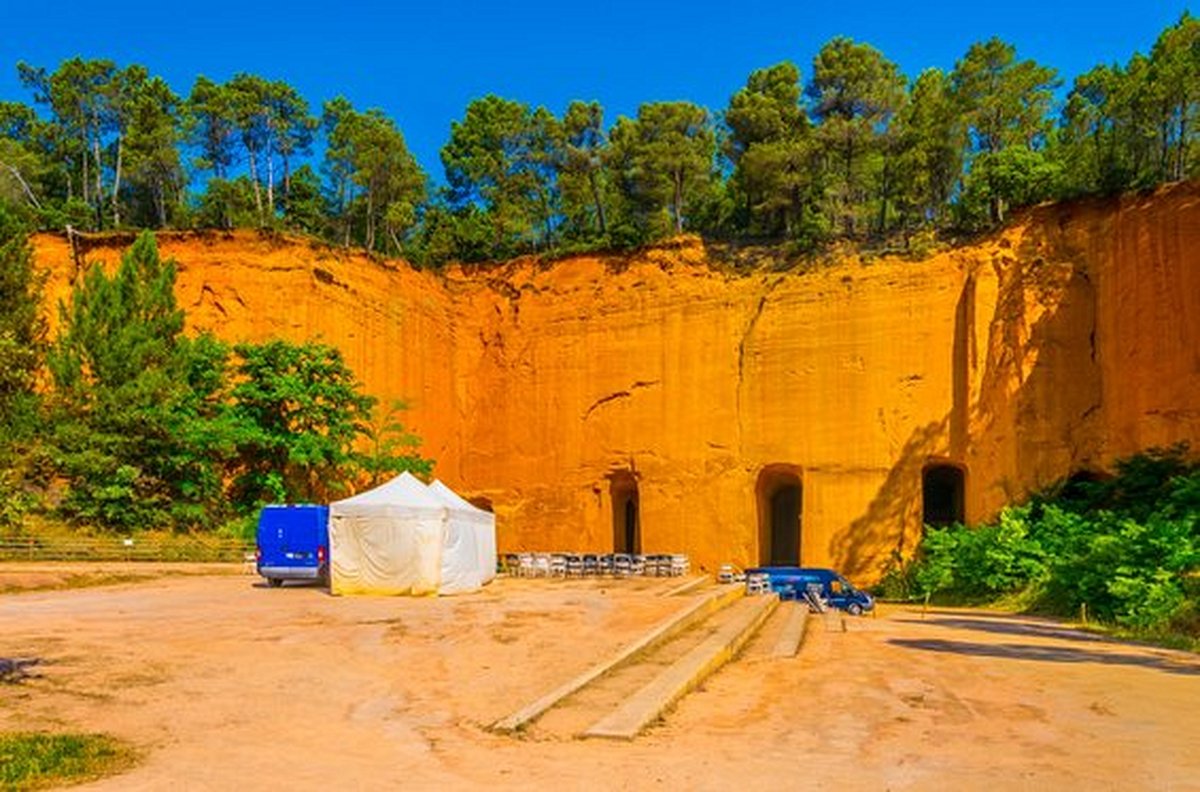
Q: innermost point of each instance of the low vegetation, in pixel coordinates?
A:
(34, 760)
(1120, 552)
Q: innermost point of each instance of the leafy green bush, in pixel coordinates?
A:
(1127, 549)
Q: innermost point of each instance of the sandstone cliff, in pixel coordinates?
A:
(659, 388)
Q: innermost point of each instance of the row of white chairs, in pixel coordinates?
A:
(595, 565)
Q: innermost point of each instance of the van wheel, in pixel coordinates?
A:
(854, 609)
(274, 582)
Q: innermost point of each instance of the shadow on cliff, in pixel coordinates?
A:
(1035, 418)
(885, 527)
(1025, 400)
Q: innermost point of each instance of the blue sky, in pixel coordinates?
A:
(423, 62)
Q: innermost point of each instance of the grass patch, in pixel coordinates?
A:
(36, 760)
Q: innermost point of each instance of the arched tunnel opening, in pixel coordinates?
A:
(627, 528)
(780, 496)
(943, 495)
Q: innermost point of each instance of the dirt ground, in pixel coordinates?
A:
(224, 683)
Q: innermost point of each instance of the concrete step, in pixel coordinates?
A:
(706, 603)
(689, 586)
(793, 629)
(639, 709)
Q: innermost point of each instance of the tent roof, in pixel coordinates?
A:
(403, 490)
(451, 498)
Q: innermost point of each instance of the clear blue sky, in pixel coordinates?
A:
(423, 62)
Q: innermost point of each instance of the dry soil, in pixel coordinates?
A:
(224, 683)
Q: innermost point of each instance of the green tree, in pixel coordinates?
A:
(299, 411)
(583, 178)
(375, 183)
(20, 163)
(1005, 103)
(249, 94)
(855, 91)
(22, 326)
(666, 159)
(929, 161)
(79, 96)
(773, 153)
(211, 124)
(226, 203)
(503, 157)
(1175, 80)
(151, 135)
(389, 447)
(1135, 126)
(304, 206)
(138, 421)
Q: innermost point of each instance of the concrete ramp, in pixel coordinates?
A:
(687, 672)
(793, 629)
(694, 612)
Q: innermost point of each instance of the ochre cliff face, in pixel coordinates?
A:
(739, 414)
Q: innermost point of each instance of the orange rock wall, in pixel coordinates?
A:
(1064, 342)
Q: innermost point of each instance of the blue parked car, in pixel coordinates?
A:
(293, 543)
(792, 582)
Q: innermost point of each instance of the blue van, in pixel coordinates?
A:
(792, 582)
(293, 543)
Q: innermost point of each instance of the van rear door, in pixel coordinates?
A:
(293, 543)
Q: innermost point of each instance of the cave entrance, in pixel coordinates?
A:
(943, 494)
(627, 528)
(780, 496)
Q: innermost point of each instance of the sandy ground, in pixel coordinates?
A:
(226, 684)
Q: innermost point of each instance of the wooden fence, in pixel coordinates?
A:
(28, 548)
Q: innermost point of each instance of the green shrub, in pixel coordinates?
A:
(1127, 549)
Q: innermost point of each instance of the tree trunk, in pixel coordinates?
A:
(254, 180)
(160, 202)
(116, 190)
(287, 181)
(370, 245)
(599, 204)
(545, 202)
(85, 183)
(1165, 154)
(678, 201)
(849, 207)
(884, 187)
(99, 194)
(270, 183)
(24, 186)
(1181, 144)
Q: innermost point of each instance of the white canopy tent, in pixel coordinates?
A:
(399, 539)
(481, 523)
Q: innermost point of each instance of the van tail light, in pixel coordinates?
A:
(320, 554)
(258, 554)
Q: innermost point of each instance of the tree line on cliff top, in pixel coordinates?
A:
(125, 422)
(858, 152)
